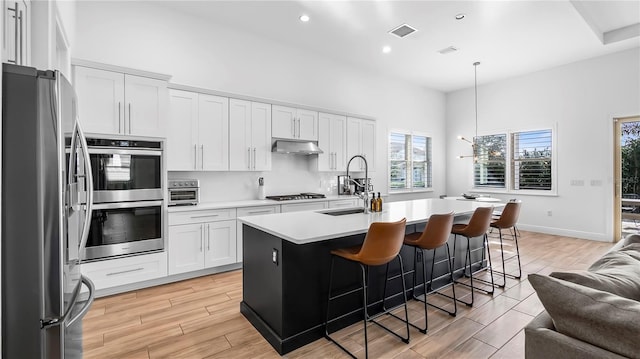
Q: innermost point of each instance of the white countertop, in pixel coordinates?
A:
(251, 203)
(312, 226)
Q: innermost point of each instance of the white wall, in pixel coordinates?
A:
(207, 55)
(581, 99)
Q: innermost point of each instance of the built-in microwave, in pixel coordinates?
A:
(126, 170)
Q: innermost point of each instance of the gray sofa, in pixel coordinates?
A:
(589, 314)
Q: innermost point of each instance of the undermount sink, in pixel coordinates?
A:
(344, 212)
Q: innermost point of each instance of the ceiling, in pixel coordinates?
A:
(509, 38)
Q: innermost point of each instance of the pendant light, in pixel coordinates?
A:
(475, 91)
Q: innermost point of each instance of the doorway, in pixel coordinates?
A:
(626, 176)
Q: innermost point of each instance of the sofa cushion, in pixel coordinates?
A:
(617, 272)
(593, 316)
(632, 238)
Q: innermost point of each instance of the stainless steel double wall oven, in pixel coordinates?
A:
(128, 193)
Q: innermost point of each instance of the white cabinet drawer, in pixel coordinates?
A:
(255, 211)
(309, 206)
(345, 203)
(212, 215)
(120, 271)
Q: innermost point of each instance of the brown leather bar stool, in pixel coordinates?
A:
(381, 245)
(507, 220)
(434, 236)
(477, 226)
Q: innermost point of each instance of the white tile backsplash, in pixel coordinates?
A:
(289, 174)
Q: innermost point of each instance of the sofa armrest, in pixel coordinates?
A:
(542, 341)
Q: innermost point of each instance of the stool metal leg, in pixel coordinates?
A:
(388, 311)
(517, 255)
(364, 269)
(365, 314)
(468, 261)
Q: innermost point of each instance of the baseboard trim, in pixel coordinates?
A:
(600, 237)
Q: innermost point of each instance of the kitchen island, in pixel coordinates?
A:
(286, 260)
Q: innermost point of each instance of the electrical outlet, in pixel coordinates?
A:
(549, 213)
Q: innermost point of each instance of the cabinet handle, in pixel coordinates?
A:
(205, 216)
(248, 157)
(119, 117)
(20, 18)
(129, 117)
(202, 156)
(208, 238)
(298, 128)
(266, 211)
(15, 47)
(195, 157)
(335, 161)
(201, 237)
(125, 271)
(254, 158)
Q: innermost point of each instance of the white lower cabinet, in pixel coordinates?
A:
(309, 206)
(250, 211)
(121, 271)
(345, 203)
(200, 241)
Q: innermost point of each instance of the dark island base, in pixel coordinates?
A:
(285, 285)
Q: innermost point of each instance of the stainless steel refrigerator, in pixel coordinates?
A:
(46, 212)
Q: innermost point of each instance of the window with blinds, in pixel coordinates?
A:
(409, 161)
(490, 163)
(531, 160)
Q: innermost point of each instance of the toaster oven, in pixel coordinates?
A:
(184, 192)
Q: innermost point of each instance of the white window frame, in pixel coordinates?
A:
(410, 188)
(509, 159)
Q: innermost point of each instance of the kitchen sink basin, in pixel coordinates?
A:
(344, 212)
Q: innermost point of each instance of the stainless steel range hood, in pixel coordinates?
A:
(296, 147)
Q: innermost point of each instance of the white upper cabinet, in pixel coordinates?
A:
(182, 131)
(295, 124)
(16, 42)
(120, 104)
(100, 100)
(198, 136)
(213, 132)
(146, 101)
(361, 140)
(332, 140)
(250, 136)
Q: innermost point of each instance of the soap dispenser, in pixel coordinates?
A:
(261, 188)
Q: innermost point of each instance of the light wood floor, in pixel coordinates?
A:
(200, 318)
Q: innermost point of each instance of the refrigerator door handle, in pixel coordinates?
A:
(52, 322)
(89, 181)
(86, 281)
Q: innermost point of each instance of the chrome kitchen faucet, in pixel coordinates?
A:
(365, 186)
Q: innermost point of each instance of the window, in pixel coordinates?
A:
(531, 160)
(525, 158)
(409, 161)
(490, 164)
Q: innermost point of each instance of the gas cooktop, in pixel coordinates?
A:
(291, 197)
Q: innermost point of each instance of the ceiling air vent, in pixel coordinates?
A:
(448, 50)
(402, 30)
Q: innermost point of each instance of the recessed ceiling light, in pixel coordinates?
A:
(460, 16)
(386, 49)
(304, 18)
